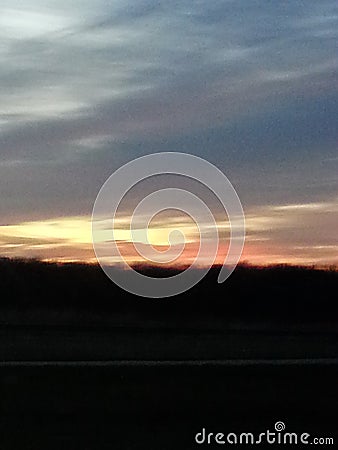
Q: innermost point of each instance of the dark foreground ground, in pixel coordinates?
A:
(85, 366)
(162, 407)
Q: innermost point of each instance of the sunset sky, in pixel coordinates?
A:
(251, 86)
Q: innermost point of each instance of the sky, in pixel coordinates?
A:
(249, 85)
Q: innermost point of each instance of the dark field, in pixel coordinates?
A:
(161, 407)
(85, 365)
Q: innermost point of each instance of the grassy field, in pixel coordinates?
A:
(87, 366)
(161, 407)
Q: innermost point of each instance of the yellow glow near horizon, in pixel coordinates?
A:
(77, 230)
(73, 229)
(312, 241)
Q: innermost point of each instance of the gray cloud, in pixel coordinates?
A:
(86, 86)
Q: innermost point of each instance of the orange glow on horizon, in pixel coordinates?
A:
(275, 235)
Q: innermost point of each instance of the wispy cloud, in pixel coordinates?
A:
(275, 234)
(88, 85)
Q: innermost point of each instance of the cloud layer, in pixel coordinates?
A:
(86, 86)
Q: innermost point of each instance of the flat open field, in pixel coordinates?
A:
(161, 406)
(86, 366)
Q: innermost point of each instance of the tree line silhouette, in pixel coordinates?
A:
(35, 290)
